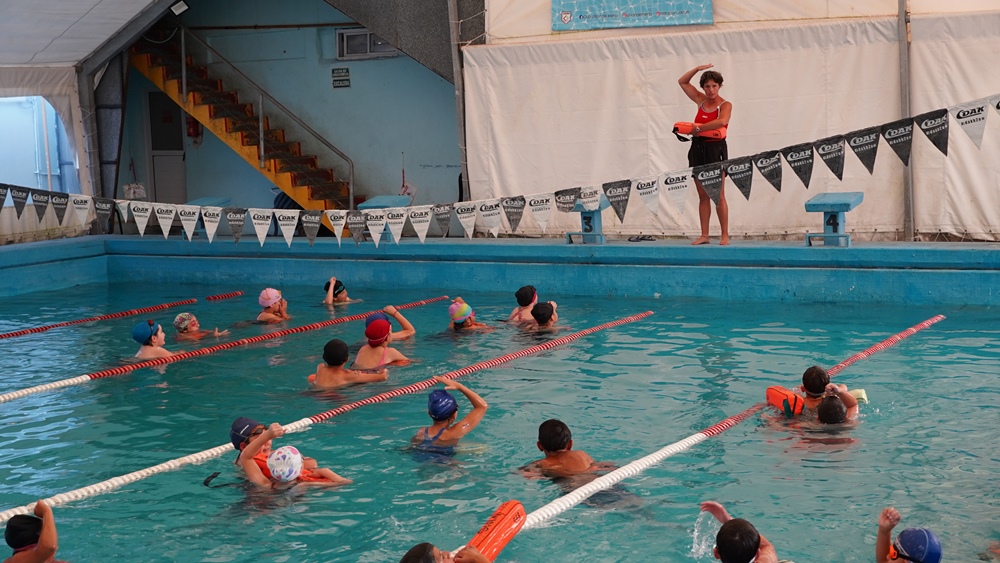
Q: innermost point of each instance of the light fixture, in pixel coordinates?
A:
(179, 8)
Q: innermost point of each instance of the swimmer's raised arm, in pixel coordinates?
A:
(408, 329)
(475, 416)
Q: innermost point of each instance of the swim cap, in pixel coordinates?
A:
(22, 530)
(145, 330)
(377, 332)
(459, 312)
(285, 463)
(374, 317)
(525, 295)
(338, 287)
(182, 321)
(241, 429)
(335, 352)
(441, 405)
(919, 544)
(269, 297)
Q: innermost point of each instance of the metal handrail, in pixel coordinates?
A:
(262, 96)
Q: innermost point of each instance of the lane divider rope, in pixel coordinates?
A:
(120, 314)
(222, 296)
(303, 424)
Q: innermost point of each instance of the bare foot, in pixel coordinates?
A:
(700, 240)
(725, 240)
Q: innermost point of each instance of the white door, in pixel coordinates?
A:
(166, 144)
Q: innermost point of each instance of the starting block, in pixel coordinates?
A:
(834, 206)
(591, 226)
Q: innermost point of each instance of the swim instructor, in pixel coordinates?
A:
(713, 113)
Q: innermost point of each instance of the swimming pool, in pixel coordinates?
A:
(925, 443)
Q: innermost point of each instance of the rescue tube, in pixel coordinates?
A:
(687, 128)
(785, 400)
(501, 527)
(860, 395)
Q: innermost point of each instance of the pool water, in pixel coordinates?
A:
(925, 443)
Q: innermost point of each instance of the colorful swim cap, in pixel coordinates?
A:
(269, 297)
(285, 463)
(241, 430)
(376, 316)
(459, 312)
(145, 330)
(183, 321)
(919, 544)
(377, 332)
(22, 530)
(441, 405)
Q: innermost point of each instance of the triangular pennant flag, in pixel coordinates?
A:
(188, 215)
(4, 188)
(649, 192)
(395, 218)
(59, 203)
(740, 171)
(831, 151)
(466, 213)
(864, 143)
(122, 205)
(420, 218)
(210, 217)
(356, 225)
(81, 204)
(261, 220)
(899, 135)
(103, 208)
(800, 158)
(375, 220)
(236, 217)
(971, 116)
(19, 196)
(141, 211)
(165, 215)
(617, 194)
(590, 198)
(768, 163)
(40, 200)
(288, 220)
(513, 208)
(541, 208)
(311, 221)
(709, 176)
(442, 215)
(677, 185)
(338, 218)
(489, 213)
(934, 124)
(566, 199)
(994, 101)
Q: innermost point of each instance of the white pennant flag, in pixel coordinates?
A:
(122, 205)
(375, 220)
(141, 211)
(541, 208)
(489, 214)
(648, 189)
(211, 217)
(337, 218)
(261, 219)
(420, 218)
(590, 197)
(677, 185)
(287, 220)
(972, 117)
(165, 215)
(189, 218)
(395, 217)
(81, 203)
(466, 213)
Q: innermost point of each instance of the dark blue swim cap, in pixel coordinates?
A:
(144, 330)
(919, 544)
(441, 405)
(374, 317)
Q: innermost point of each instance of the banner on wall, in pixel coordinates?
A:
(59, 204)
(141, 211)
(570, 15)
(261, 220)
(489, 214)
(899, 135)
(311, 221)
(338, 219)
(800, 158)
(103, 208)
(934, 124)
(19, 196)
(541, 208)
(420, 218)
(831, 152)
(165, 215)
(442, 215)
(513, 208)
(40, 199)
(236, 217)
(188, 214)
(648, 189)
(971, 116)
(287, 220)
(740, 171)
(211, 217)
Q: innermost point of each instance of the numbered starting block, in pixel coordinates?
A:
(591, 227)
(834, 206)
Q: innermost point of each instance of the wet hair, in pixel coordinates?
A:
(420, 553)
(525, 295)
(737, 541)
(542, 312)
(710, 75)
(335, 352)
(832, 410)
(814, 380)
(554, 435)
(459, 325)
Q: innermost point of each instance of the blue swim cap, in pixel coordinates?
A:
(374, 317)
(144, 330)
(441, 405)
(919, 544)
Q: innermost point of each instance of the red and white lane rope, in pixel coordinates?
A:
(570, 500)
(222, 296)
(305, 423)
(120, 314)
(121, 370)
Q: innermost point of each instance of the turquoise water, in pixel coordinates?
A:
(924, 444)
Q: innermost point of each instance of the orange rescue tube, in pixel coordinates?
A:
(687, 128)
(788, 402)
(501, 527)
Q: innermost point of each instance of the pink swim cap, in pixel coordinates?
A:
(269, 297)
(459, 312)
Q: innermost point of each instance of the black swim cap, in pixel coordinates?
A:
(335, 352)
(525, 295)
(22, 530)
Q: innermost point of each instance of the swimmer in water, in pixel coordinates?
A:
(33, 538)
(150, 335)
(331, 373)
(253, 441)
(545, 315)
(275, 307)
(188, 328)
(377, 353)
(463, 317)
(526, 299)
(389, 312)
(427, 553)
(336, 293)
(444, 433)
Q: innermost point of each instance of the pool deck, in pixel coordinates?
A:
(884, 272)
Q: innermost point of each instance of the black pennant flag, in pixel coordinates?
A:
(4, 188)
(800, 158)
(41, 200)
(513, 208)
(356, 224)
(899, 135)
(617, 194)
(709, 177)
(934, 124)
(59, 203)
(768, 163)
(442, 214)
(566, 199)
(864, 143)
(19, 196)
(740, 171)
(311, 220)
(236, 217)
(831, 150)
(103, 207)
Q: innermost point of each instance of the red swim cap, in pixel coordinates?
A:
(377, 332)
